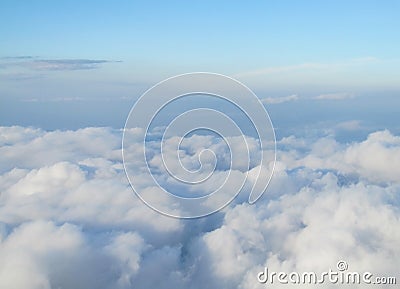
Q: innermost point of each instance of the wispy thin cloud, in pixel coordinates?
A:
(335, 96)
(307, 66)
(67, 64)
(34, 63)
(18, 57)
(75, 99)
(295, 97)
(275, 100)
(351, 125)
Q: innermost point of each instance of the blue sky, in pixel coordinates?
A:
(98, 50)
(219, 35)
(264, 33)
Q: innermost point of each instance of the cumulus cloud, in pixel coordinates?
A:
(69, 219)
(374, 159)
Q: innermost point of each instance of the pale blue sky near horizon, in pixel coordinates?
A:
(77, 53)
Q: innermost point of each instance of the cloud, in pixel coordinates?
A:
(279, 69)
(335, 96)
(275, 100)
(35, 63)
(18, 57)
(308, 66)
(66, 64)
(295, 97)
(69, 219)
(351, 125)
(371, 159)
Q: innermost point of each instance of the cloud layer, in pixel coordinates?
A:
(68, 218)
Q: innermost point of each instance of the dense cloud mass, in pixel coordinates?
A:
(69, 219)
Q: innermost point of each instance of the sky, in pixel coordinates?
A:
(74, 178)
(176, 34)
(92, 60)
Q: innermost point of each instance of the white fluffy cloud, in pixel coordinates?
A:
(68, 218)
(376, 159)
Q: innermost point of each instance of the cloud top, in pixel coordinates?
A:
(69, 219)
